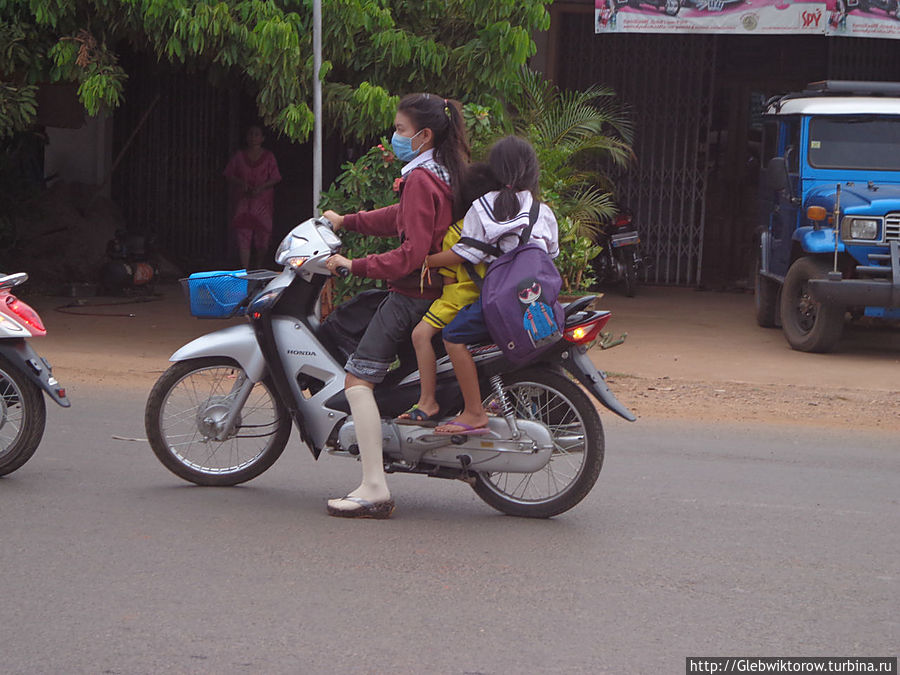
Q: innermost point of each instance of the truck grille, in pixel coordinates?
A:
(892, 227)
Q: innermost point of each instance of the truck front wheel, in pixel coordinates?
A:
(809, 326)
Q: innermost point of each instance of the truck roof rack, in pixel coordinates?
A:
(838, 88)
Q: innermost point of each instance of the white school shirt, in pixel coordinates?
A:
(479, 224)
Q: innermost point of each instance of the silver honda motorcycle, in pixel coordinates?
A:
(222, 414)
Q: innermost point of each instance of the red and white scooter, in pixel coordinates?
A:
(22, 376)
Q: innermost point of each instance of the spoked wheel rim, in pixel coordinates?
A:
(187, 422)
(12, 413)
(543, 403)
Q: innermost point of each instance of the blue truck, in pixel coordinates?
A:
(829, 244)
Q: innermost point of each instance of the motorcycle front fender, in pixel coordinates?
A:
(36, 368)
(581, 366)
(235, 342)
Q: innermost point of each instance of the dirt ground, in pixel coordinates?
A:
(688, 355)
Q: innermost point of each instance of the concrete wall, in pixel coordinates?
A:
(81, 155)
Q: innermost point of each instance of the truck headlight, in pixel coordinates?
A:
(860, 228)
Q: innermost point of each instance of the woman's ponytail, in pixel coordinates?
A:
(444, 118)
(454, 152)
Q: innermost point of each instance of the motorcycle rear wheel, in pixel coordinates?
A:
(23, 416)
(186, 394)
(629, 272)
(551, 397)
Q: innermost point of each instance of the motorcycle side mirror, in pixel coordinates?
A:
(12, 280)
(777, 177)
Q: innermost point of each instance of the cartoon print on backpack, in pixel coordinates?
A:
(537, 317)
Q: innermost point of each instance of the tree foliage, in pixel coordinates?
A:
(373, 51)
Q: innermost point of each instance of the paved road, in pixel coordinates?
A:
(696, 541)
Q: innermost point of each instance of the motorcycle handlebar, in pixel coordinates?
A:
(327, 223)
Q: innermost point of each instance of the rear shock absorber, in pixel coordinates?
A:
(509, 413)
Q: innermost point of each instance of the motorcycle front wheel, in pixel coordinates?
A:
(23, 416)
(552, 398)
(179, 417)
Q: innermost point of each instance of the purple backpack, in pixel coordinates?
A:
(519, 296)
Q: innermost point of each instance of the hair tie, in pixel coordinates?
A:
(509, 187)
(446, 108)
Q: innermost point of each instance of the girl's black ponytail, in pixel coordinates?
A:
(515, 164)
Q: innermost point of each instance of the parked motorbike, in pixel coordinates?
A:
(221, 415)
(620, 260)
(23, 374)
(130, 266)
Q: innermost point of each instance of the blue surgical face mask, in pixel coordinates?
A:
(402, 146)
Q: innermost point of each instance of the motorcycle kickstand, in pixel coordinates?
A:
(466, 477)
(508, 412)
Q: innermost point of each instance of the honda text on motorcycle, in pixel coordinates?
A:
(23, 374)
(222, 413)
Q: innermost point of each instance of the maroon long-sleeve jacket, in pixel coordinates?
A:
(420, 219)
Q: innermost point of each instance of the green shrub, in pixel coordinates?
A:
(363, 185)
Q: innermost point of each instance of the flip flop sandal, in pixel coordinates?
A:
(417, 417)
(367, 509)
(465, 430)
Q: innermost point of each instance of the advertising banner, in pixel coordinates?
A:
(864, 18)
(852, 18)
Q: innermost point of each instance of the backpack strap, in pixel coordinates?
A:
(473, 274)
(490, 249)
(495, 251)
(532, 219)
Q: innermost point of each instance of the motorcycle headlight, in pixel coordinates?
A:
(860, 228)
(283, 248)
(291, 241)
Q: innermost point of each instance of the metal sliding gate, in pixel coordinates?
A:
(863, 59)
(667, 80)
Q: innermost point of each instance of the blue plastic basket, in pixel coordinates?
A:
(216, 295)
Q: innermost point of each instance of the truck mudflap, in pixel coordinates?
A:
(861, 292)
(586, 372)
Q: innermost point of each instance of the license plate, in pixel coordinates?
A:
(625, 239)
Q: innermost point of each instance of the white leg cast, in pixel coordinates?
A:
(367, 421)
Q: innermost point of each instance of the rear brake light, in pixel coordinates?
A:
(25, 313)
(586, 332)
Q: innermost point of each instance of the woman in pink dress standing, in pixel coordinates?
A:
(253, 172)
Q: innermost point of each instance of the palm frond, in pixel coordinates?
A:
(587, 207)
